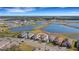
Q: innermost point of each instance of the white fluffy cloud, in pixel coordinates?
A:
(21, 10)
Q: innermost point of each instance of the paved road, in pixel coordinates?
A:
(38, 46)
(44, 46)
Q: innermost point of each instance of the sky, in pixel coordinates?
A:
(39, 11)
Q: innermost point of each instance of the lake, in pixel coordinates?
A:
(26, 27)
(59, 28)
(23, 28)
(75, 25)
(53, 27)
(73, 21)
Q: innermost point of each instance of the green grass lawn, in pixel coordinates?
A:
(76, 34)
(9, 34)
(21, 47)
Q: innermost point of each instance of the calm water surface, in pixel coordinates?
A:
(56, 27)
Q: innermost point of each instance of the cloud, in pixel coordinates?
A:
(15, 10)
(75, 12)
(62, 7)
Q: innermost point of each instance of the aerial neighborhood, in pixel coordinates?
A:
(38, 34)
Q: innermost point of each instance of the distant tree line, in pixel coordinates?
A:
(40, 18)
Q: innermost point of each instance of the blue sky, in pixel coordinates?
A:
(39, 11)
